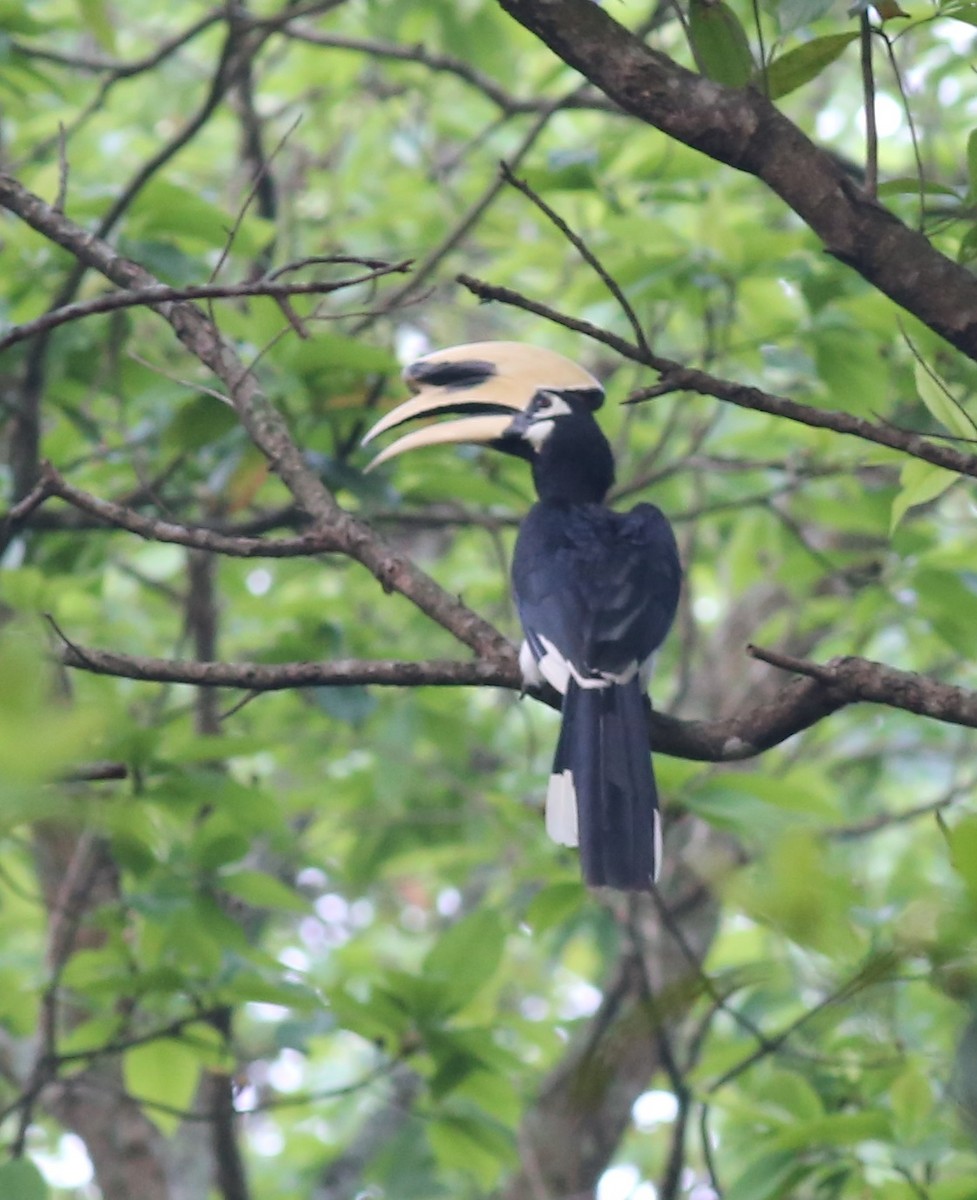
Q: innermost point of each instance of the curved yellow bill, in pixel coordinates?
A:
(477, 430)
(487, 381)
(429, 404)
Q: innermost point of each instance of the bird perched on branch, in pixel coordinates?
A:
(596, 590)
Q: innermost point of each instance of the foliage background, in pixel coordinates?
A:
(311, 942)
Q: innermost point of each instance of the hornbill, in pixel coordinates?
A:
(596, 590)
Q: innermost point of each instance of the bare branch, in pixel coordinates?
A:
(470, 218)
(861, 679)
(264, 425)
(741, 128)
(585, 253)
(97, 772)
(116, 67)
(489, 291)
(678, 378)
(441, 63)
(157, 293)
(868, 95)
(798, 706)
(197, 537)
(269, 677)
(20, 512)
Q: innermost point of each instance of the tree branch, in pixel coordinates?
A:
(197, 537)
(678, 378)
(156, 293)
(740, 127)
(264, 425)
(448, 64)
(798, 706)
(860, 679)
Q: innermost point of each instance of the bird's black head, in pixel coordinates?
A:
(557, 434)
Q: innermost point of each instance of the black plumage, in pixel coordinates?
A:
(596, 589)
(596, 592)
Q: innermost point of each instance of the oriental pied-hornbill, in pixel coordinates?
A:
(596, 589)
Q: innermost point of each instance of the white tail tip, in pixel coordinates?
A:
(561, 809)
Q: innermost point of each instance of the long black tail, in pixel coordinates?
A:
(603, 764)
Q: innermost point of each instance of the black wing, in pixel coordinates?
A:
(599, 587)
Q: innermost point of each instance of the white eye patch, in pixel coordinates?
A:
(545, 409)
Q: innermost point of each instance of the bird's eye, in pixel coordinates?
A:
(544, 401)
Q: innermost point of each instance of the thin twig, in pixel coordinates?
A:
(867, 977)
(907, 109)
(445, 63)
(871, 181)
(798, 706)
(429, 264)
(162, 293)
(678, 378)
(196, 537)
(705, 1139)
(589, 257)
(266, 428)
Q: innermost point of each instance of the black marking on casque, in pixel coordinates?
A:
(453, 376)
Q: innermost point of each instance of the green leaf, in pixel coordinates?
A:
(14, 18)
(719, 43)
(945, 600)
(164, 1072)
(790, 1094)
(554, 904)
(454, 1063)
(165, 210)
(96, 970)
(466, 956)
(264, 891)
(474, 1146)
(216, 846)
(911, 185)
(792, 14)
(352, 705)
(378, 1018)
(967, 250)
(768, 1177)
(911, 1097)
(951, 1189)
(799, 892)
(38, 739)
(98, 21)
(942, 405)
(563, 176)
(199, 421)
(21, 1180)
(326, 353)
(962, 840)
(90, 1036)
(960, 10)
(834, 1129)
(919, 482)
(804, 63)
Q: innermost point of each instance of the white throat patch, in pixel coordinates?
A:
(542, 425)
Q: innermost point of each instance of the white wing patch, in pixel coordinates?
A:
(557, 671)
(553, 667)
(561, 809)
(531, 674)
